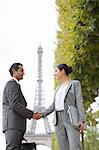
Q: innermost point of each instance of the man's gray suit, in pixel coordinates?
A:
(14, 111)
(67, 135)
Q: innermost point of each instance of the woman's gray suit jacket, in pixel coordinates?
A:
(14, 107)
(73, 96)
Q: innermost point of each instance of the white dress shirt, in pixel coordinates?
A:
(15, 80)
(59, 97)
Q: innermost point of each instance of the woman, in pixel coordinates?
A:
(68, 93)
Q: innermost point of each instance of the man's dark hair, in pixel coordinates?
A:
(14, 66)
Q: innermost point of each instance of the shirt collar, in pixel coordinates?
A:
(15, 80)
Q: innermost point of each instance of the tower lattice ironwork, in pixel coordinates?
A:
(39, 104)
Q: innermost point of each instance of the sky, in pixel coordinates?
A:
(24, 26)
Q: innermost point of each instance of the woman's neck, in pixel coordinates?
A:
(65, 80)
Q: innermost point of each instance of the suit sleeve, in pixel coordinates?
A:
(48, 110)
(79, 102)
(15, 102)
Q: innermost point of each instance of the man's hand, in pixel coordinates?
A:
(37, 115)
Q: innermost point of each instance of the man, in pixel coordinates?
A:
(14, 109)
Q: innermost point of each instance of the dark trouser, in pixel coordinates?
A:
(13, 139)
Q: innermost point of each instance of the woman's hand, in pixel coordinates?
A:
(81, 127)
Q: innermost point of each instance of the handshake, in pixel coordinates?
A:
(37, 115)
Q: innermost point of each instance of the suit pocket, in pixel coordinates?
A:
(73, 116)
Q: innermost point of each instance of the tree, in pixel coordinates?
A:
(78, 42)
(92, 134)
(54, 142)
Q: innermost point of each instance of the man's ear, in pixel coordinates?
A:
(13, 70)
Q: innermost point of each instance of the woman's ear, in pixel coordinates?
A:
(63, 71)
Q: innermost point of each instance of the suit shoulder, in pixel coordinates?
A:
(10, 83)
(76, 81)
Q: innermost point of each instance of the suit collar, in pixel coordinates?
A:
(15, 80)
(57, 89)
(67, 89)
(68, 86)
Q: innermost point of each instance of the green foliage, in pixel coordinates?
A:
(86, 40)
(94, 118)
(91, 139)
(54, 142)
(78, 42)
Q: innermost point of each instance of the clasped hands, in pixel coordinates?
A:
(37, 115)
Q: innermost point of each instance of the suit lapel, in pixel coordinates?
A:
(67, 89)
(57, 89)
(19, 87)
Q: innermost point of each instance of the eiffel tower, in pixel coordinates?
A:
(39, 107)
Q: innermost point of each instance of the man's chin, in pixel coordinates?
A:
(21, 78)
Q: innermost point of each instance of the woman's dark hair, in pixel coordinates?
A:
(68, 69)
(14, 66)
